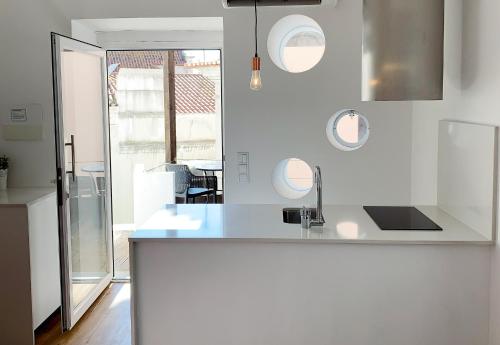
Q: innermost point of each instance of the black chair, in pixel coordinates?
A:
(189, 186)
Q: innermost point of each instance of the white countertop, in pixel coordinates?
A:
(23, 196)
(344, 224)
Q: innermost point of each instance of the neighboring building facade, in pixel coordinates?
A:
(137, 116)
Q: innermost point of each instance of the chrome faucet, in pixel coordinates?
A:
(319, 220)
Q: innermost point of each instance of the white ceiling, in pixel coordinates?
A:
(153, 24)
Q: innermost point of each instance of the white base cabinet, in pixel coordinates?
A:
(29, 262)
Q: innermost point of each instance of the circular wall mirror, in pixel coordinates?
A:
(348, 130)
(296, 43)
(292, 178)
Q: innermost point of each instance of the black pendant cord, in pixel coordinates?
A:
(255, 10)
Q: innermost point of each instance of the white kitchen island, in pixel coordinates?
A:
(236, 274)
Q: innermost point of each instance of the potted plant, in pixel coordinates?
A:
(4, 168)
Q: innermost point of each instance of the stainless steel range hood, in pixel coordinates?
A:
(402, 50)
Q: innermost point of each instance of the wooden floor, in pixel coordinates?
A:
(106, 323)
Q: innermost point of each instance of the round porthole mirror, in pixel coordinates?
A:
(296, 43)
(348, 130)
(292, 178)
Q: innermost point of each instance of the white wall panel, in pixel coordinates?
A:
(467, 166)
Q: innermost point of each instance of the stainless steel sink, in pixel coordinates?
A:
(291, 215)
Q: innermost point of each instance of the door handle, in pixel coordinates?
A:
(72, 145)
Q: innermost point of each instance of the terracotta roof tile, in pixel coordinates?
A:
(194, 93)
(143, 58)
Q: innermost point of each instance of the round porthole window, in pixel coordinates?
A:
(296, 43)
(348, 130)
(292, 178)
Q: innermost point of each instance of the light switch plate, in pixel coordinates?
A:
(243, 167)
(242, 157)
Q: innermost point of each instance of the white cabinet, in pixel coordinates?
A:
(29, 262)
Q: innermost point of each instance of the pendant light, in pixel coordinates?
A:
(255, 81)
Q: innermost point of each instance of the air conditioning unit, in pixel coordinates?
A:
(249, 3)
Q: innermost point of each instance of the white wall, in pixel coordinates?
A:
(83, 32)
(25, 77)
(480, 100)
(286, 119)
(426, 114)
(472, 93)
(160, 39)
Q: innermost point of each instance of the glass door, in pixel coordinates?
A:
(83, 184)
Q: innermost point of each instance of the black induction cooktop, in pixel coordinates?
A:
(400, 218)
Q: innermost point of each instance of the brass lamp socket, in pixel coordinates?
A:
(256, 63)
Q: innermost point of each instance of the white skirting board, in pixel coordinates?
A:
(467, 174)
